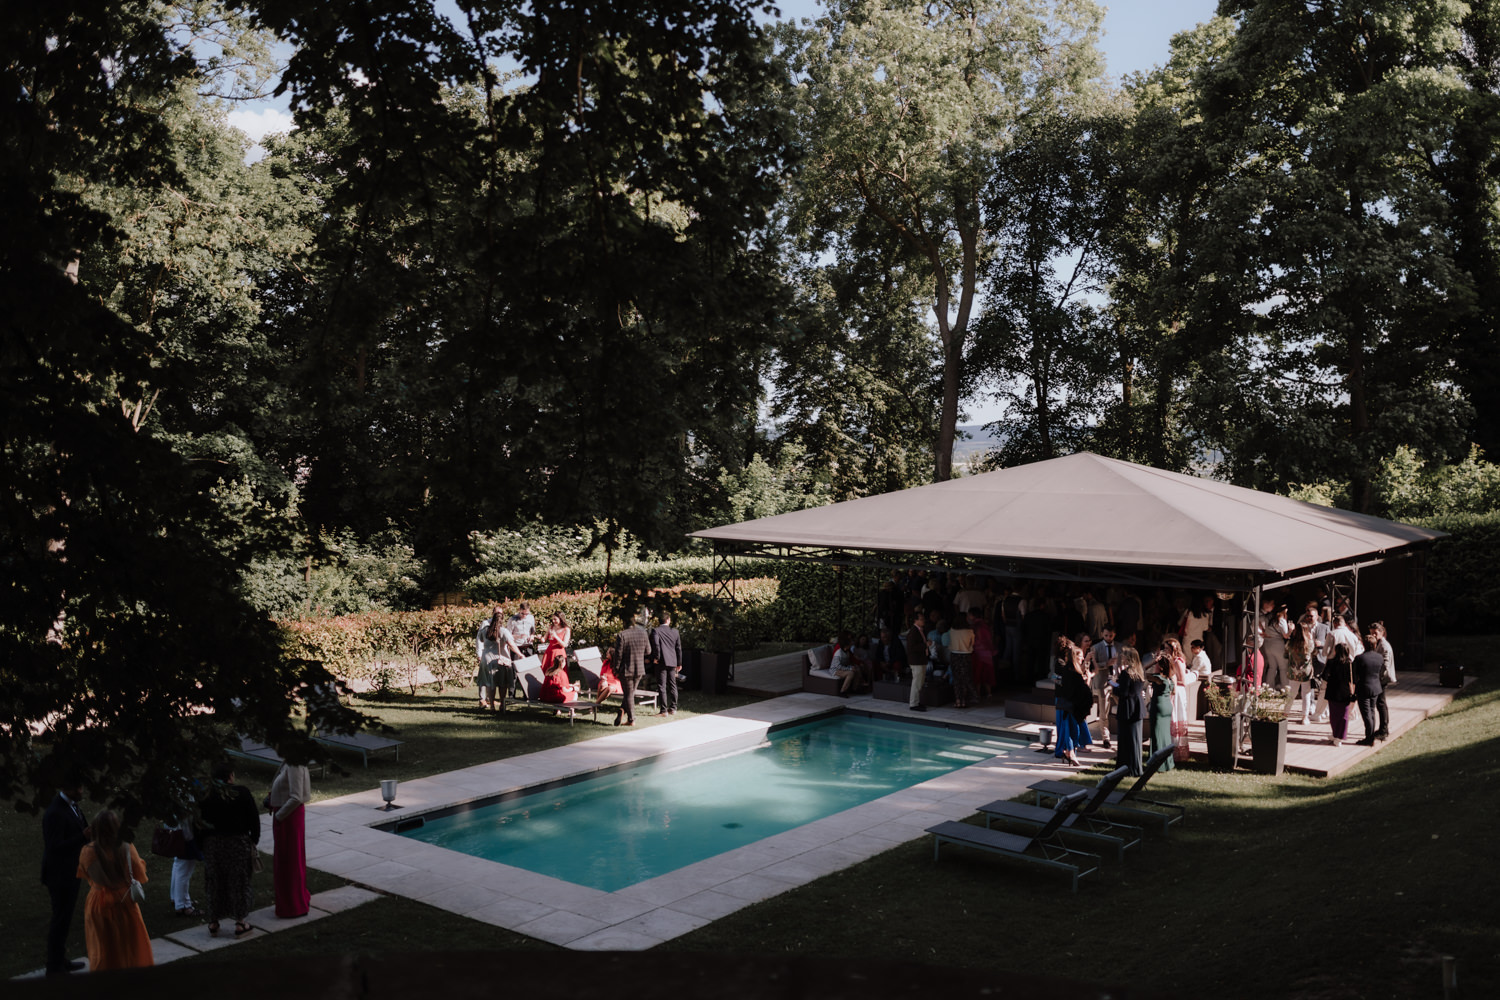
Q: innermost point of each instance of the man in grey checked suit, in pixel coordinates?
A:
(632, 646)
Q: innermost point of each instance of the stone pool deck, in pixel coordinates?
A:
(340, 839)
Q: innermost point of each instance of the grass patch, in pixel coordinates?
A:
(1293, 886)
(443, 732)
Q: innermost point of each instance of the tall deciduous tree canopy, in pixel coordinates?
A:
(447, 297)
(901, 110)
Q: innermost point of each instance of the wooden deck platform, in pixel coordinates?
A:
(1308, 748)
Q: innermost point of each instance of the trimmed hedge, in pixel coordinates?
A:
(624, 576)
(807, 607)
(389, 647)
(1463, 591)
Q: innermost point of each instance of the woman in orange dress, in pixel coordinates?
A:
(113, 931)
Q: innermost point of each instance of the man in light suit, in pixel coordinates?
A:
(64, 833)
(632, 646)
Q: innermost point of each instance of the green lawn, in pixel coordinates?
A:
(442, 732)
(1291, 886)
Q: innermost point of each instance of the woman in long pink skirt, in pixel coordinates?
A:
(291, 790)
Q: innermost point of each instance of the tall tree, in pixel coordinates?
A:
(539, 297)
(901, 109)
(1329, 116)
(1043, 343)
(1173, 306)
(125, 617)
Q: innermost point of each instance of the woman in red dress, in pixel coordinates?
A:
(984, 653)
(558, 637)
(556, 688)
(609, 684)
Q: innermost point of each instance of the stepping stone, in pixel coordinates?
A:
(164, 950)
(343, 898)
(266, 919)
(197, 938)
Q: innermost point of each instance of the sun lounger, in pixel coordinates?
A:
(589, 661)
(364, 743)
(1085, 824)
(529, 674)
(1041, 849)
(1128, 804)
(259, 752)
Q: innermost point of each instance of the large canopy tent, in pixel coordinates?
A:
(1089, 519)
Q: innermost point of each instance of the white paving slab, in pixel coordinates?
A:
(164, 950)
(265, 919)
(342, 839)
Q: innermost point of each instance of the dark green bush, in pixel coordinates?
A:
(1463, 590)
(807, 605)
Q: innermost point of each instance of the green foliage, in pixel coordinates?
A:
(901, 109)
(1463, 588)
(762, 490)
(808, 603)
(623, 575)
(376, 646)
(1408, 489)
(534, 545)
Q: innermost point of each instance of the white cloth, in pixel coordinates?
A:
(292, 787)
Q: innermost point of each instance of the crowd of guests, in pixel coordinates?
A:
(979, 633)
(223, 838)
(504, 639)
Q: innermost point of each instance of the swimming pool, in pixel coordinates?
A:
(615, 830)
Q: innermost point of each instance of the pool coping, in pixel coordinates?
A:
(342, 841)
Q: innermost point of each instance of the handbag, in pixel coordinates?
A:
(168, 843)
(137, 892)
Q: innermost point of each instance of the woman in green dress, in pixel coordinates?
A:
(1162, 688)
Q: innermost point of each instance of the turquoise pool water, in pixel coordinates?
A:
(615, 830)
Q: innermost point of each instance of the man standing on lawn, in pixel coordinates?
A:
(632, 646)
(666, 653)
(64, 833)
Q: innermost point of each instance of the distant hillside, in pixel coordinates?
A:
(979, 441)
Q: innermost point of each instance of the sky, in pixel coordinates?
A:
(1137, 34)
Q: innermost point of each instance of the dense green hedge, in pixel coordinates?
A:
(807, 606)
(1463, 588)
(624, 576)
(389, 647)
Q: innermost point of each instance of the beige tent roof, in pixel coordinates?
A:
(1088, 509)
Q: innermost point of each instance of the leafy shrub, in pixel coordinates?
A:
(808, 601)
(623, 576)
(377, 646)
(1463, 594)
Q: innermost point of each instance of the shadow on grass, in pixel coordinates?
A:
(1293, 886)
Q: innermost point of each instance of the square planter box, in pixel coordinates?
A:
(1268, 746)
(936, 694)
(892, 691)
(1223, 738)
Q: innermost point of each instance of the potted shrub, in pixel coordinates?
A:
(1267, 709)
(1223, 726)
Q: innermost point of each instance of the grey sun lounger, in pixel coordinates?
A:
(529, 675)
(1041, 849)
(261, 753)
(589, 661)
(1129, 804)
(1085, 824)
(364, 743)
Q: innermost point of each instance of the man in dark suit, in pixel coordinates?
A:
(666, 653)
(1367, 687)
(64, 833)
(632, 646)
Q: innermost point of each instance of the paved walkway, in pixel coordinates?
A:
(195, 940)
